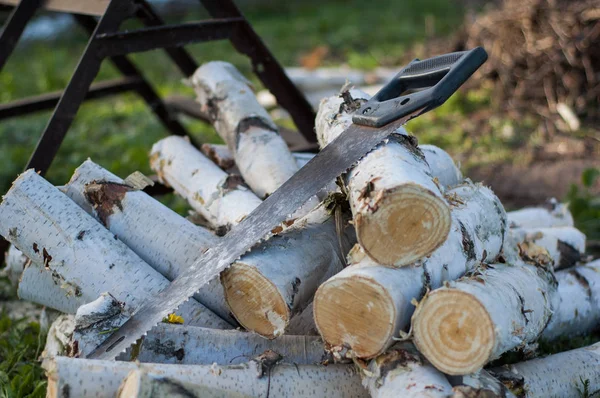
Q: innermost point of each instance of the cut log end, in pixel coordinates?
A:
(255, 301)
(343, 306)
(409, 223)
(454, 331)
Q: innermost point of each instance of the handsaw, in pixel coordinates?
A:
(418, 88)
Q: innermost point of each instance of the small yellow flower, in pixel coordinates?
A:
(173, 318)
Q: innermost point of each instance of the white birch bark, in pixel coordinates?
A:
(267, 287)
(578, 310)
(95, 378)
(442, 166)
(51, 229)
(498, 307)
(260, 153)
(565, 245)
(393, 194)
(166, 241)
(15, 262)
(45, 287)
(221, 156)
(560, 375)
(219, 197)
(552, 214)
(190, 345)
(367, 305)
(402, 372)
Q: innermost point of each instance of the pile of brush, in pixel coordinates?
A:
(544, 57)
(399, 279)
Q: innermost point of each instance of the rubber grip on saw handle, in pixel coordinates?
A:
(436, 79)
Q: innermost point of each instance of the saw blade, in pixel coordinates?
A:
(335, 159)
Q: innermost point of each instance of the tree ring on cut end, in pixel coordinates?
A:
(408, 223)
(255, 301)
(454, 331)
(355, 312)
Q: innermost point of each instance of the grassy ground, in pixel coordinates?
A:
(118, 133)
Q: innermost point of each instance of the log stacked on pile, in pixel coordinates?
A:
(403, 248)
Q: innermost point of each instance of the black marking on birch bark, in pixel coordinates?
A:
(409, 142)
(350, 105)
(222, 230)
(582, 281)
(165, 348)
(568, 254)
(467, 242)
(47, 257)
(550, 205)
(36, 250)
(66, 391)
(175, 388)
(104, 196)
(394, 359)
(295, 288)
(81, 234)
(13, 232)
(426, 281)
(212, 108)
(253, 121)
(524, 312)
(501, 213)
(232, 181)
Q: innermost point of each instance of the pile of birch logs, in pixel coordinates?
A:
(401, 279)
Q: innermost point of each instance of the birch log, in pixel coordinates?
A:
(402, 372)
(15, 262)
(578, 310)
(140, 384)
(221, 156)
(260, 153)
(559, 375)
(565, 245)
(552, 214)
(95, 378)
(276, 281)
(166, 241)
(366, 305)
(393, 195)
(465, 324)
(189, 345)
(45, 287)
(219, 197)
(51, 229)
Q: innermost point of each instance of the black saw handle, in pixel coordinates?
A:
(431, 82)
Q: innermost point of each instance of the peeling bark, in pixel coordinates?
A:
(565, 245)
(402, 372)
(165, 240)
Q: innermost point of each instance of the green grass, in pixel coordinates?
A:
(118, 132)
(21, 343)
